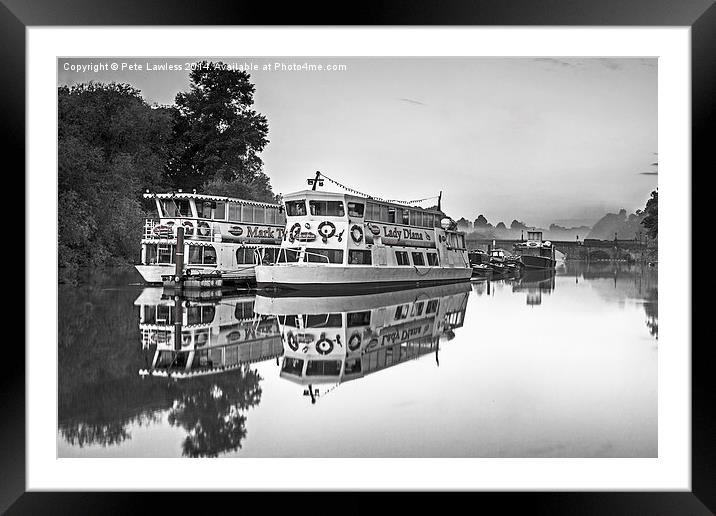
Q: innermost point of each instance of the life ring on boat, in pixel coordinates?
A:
(354, 341)
(324, 346)
(188, 228)
(356, 233)
(295, 230)
(374, 229)
(162, 231)
(203, 228)
(532, 244)
(292, 341)
(329, 232)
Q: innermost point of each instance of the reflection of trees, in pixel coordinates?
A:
(213, 414)
(651, 308)
(101, 395)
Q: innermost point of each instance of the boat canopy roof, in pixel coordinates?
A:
(322, 194)
(203, 197)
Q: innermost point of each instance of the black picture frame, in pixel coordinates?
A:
(700, 15)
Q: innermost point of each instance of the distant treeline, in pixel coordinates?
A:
(112, 145)
(638, 225)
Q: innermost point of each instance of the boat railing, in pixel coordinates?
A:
(155, 229)
(324, 257)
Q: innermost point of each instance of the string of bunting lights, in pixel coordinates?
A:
(353, 190)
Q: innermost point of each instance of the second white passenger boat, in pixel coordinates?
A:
(338, 242)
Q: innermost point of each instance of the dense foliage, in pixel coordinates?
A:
(651, 212)
(112, 145)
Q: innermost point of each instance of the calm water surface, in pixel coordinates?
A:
(545, 365)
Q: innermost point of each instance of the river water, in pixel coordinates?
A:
(546, 365)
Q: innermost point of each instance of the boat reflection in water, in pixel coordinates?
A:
(337, 339)
(535, 282)
(190, 337)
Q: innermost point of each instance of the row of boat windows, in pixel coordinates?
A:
(371, 211)
(355, 257)
(222, 211)
(372, 361)
(206, 255)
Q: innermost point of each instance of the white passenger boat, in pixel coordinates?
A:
(349, 242)
(331, 340)
(222, 236)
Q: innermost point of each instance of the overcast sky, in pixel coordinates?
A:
(538, 139)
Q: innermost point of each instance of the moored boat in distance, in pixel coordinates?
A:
(342, 242)
(223, 236)
(535, 253)
(480, 262)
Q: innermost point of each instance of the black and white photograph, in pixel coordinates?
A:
(357, 257)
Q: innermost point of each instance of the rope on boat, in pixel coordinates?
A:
(353, 190)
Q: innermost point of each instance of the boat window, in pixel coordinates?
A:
(269, 256)
(353, 366)
(150, 254)
(359, 257)
(281, 218)
(165, 254)
(220, 211)
(359, 319)
(323, 368)
(202, 255)
(176, 207)
(200, 314)
(432, 307)
(234, 212)
(292, 366)
(384, 213)
(401, 312)
(203, 209)
(324, 255)
(327, 208)
(402, 257)
(296, 208)
(244, 311)
(417, 309)
(322, 321)
(259, 215)
(370, 212)
(391, 215)
(270, 215)
(433, 259)
(288, 255)
(355, 209)
(428, 220)
(247, 214)
(418, 259)
(406, 217)
(244, 255)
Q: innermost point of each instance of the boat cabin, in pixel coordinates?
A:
(341, 229)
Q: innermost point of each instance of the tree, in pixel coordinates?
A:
(516, 224)
(481, 222)
(651, 219)
(111, 145)
(216, 133)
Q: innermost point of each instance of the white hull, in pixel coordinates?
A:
(319, 276)
(154, 273)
